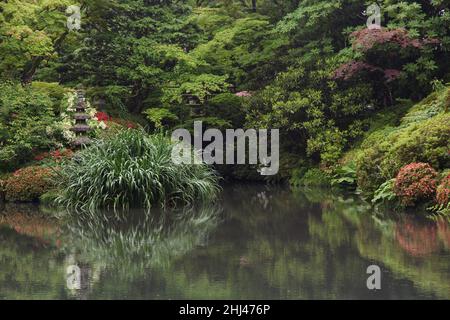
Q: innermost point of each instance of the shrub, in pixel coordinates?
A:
(315, 177)
(161, 117)
(26, 124)
(54, 156)
(110, 121)
(53, 90)
(405, 134)
(415, 182)
(345, 176)
(132, 169)
(426, 141)
(296, 176)
(28, 184)
(226, 106)
(385, 193)
(443, 192)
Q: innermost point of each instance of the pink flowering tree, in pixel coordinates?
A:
(386, 56)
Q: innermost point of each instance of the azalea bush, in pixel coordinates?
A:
(28, 184)
(443, 192)
(54, 156)
(414, 183)
(108, 121)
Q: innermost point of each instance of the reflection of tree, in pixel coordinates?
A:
(267, 251)
(28, 259)
(404, 244)
(292, 248)
(408, 247)
(272, 244)
(25, 220)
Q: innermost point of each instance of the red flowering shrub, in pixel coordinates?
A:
(443, 192)
(102, 116)
(56, 155)
(124, 123)
(415, 182)
(28, 184)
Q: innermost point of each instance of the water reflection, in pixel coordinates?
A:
(131, 244)
(264, 242)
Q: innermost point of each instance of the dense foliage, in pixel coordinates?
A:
(28, 118)
(343, 96)
(422, 134)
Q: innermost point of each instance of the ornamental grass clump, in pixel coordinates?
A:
(414, 183)
(132, 169)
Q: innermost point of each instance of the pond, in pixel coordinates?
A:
(258, 242)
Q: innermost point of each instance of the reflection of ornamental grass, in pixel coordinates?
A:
(132, 241)
(132, 169)
(415, 182)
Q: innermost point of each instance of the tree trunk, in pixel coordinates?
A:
(30, 70)
(254, 5)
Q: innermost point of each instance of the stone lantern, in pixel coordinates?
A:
(194, 103)
(81, 127)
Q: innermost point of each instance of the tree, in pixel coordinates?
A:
(133, 45)
(31, 32)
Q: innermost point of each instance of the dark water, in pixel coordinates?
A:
(257, 243)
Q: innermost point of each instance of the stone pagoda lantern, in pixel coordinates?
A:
(194, 103)
(81, 127)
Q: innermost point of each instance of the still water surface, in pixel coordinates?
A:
(258, 242)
